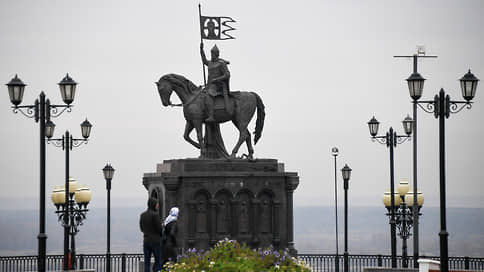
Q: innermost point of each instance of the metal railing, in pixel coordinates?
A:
(130, 262)
(326, 262)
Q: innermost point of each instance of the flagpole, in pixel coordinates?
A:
(201, 41)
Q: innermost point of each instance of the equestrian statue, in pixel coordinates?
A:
(212, 105)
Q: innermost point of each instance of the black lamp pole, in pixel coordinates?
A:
(391, 143)
(108, 172)
(108, 246)
(442, 107)
(391, 139)
(346, 171)
(67, 142)
(415, 97)
(415, 212)
(335, 152)
(403, 235)
(41, 111)
(42, 237)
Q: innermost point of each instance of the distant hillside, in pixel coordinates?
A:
(314, 231)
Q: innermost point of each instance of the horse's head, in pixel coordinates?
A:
(165, 89)
(169, 83)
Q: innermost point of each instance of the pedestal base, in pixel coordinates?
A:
(251, 202)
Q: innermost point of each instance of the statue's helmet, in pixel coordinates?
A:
(215, 50)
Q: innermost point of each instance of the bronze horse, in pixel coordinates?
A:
(241, 109)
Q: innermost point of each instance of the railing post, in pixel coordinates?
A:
(123, 262)
(336, 263)
(466, 262)
(380, 260)
(81, 261)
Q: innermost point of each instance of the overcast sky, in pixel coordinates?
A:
(322, 68)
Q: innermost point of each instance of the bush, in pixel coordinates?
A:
(228, 256)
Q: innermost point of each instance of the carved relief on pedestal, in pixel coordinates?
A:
(201, 210)
(244, 217)
(265, 216)
(223, 212)
(265, 213)
(245, 214)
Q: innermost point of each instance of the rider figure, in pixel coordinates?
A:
(218, 79)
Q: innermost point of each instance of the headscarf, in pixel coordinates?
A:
(172, 216)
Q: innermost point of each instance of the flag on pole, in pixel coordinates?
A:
(216, 28)
(213, 28)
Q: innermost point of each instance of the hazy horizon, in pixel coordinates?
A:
(314, 231)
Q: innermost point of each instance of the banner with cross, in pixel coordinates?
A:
(216, 28)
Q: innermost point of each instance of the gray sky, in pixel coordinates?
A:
(323, 69)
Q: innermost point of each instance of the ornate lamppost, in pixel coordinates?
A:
(442, 106)
(335, 152)
(417, 78)
(71, 213)
(42, 111)
(404, 210)
(67, 142)
(108, 172)
(346, 172)
(391, 139)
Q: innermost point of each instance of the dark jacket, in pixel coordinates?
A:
(150, 224)
(169, 245)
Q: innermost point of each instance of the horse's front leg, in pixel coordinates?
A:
(198, 128)
(186, 135)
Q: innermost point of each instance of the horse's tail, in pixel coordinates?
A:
(261, 114)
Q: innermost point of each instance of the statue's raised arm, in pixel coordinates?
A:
(202, 53)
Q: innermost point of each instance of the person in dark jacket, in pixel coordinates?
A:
(169, 236)
(150, 225)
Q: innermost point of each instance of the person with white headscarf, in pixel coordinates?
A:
(169, 236)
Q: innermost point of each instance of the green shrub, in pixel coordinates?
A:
(230, 256)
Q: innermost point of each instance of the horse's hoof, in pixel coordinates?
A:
(233, 156)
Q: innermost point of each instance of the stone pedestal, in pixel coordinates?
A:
(251, 202)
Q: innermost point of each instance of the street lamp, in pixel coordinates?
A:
(41, 111)
(404, 212)
(68, 89)
(67, 142)
(16, 90)
(86, 129)
(442, 107)
(415, 86)
(108, 172)
(346, 172)
(335, 152)
(391, 139)
(71, 213)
